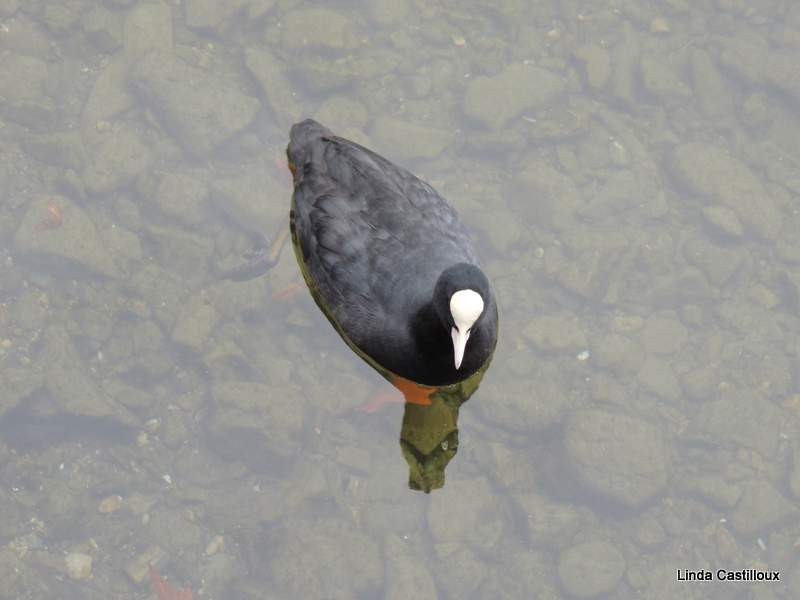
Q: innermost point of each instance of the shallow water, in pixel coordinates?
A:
(631, 172)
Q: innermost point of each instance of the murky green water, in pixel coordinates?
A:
(631, 171)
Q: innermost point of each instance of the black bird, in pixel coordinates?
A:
(389, 263)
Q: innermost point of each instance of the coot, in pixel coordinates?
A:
(389, 263)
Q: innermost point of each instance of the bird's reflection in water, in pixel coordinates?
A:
(429, 435)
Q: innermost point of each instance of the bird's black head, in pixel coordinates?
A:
(461, 299)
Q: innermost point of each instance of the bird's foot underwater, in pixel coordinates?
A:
(288, 292)
(380, 400)
(258, 260)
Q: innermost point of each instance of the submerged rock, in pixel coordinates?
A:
(719, 263)
(23, 99)
(58, 230)
(621, 193)
(783, 71)
(342, 112)
(465, 511)
(387, 12)
(78, 566)
(743, 55)
(521, 574)
(544, 195)
(550, 523)
(710, 171)
(69, 384)
(664, 335)
(620, 457)
(794, 478)
(202, 111)
(459, 571)
(597, 64)
(761, 508)
(234, 196)
(109, 97)
(22, 34)
(148, 27)
(525, 405)
(657, 376)
(270, 74)
(723, 220)
(591, 569)
(496, 100)
(119, 156)
(662, 82)
(212, 14)
(196, 321)
(62, 149)
(182, 197)
(618, 353)
(714, 95)
(322, 73)
(409, 140)
(556, 333)
(318, 27)
(255, 417)
(319, 559)
(741, 418)
(103, 28)
(407, 575)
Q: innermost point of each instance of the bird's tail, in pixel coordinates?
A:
(301, 144)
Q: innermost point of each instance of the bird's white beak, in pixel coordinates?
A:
(459, 344)
(465, 307)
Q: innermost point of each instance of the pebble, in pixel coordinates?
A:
(664, 335)
(618, 353)
(723, 219)
(79, 566)
(109, 504)
(763, 296)
(216, 544)
(656, 375)
(139, 568)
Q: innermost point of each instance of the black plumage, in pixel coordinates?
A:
(383, 253)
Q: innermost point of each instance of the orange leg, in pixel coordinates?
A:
(380, 399)
(413, 392)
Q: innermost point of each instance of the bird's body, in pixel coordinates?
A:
(373, 242)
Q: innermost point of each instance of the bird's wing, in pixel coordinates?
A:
(370, 231)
